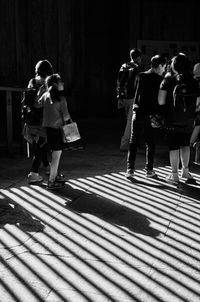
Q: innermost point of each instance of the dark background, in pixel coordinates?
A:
(86, 41)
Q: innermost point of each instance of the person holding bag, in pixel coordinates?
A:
(55, 115)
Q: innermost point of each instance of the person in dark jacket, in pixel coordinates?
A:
(126, 79)
(145, 105)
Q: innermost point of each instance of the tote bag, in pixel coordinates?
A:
(70, 133)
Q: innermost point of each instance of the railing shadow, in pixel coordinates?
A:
(114, 213)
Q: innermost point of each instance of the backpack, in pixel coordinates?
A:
(184, 103)
(29, 114)
(125, 80)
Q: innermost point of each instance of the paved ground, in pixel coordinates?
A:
(101, 238)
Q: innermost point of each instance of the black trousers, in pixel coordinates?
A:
(141, 125)
(40, 154)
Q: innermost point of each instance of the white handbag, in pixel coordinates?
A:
(70, 133)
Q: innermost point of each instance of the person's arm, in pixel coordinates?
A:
(195, 134)
(39, 101)
(198, 104)
(64, 111)
(31, 84)
(136, 91)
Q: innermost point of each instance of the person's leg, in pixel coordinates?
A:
(127, 132)
(150, 145)
(34, 176)
(54, 164)
(54, 139)
(45, 151)
(134, 139)
(174, 158)
(185, 156)
(37, 156)
(45, 158)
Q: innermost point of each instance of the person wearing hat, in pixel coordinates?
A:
(125, 89)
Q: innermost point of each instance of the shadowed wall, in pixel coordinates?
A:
(86, 41)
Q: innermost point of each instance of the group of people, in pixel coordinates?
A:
(148, 95)
(153, 97)
(47, 140)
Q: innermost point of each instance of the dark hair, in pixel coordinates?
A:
(54, 92)
(53, 79)
(135, 53)
(157, 60)
(180, 63)
(43, 68)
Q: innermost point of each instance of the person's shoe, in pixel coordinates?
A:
(129, 173)
(60, 178)
(34, 178)
(54, 185)
(186, 174)
(173, 177)
(150, 174)
(189, 178)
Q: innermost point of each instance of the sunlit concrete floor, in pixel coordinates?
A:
(102, 237)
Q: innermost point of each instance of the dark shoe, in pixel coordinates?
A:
(150, 174)
(54, 185)
(60, 178)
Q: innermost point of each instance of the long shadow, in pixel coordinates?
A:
(11, 213)
(113, 195)
(111, 212)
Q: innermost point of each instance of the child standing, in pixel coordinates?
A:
(55, 115)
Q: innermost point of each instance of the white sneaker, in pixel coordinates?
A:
(186, 174)
(129, 173)
(173, 177)
(34, 178)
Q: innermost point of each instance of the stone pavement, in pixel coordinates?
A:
(101, 238)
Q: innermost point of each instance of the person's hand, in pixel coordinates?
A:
(69, 121)
(196, 145)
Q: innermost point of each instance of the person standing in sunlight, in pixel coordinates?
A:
(55, 115)
(145, 104)
(179, 118)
